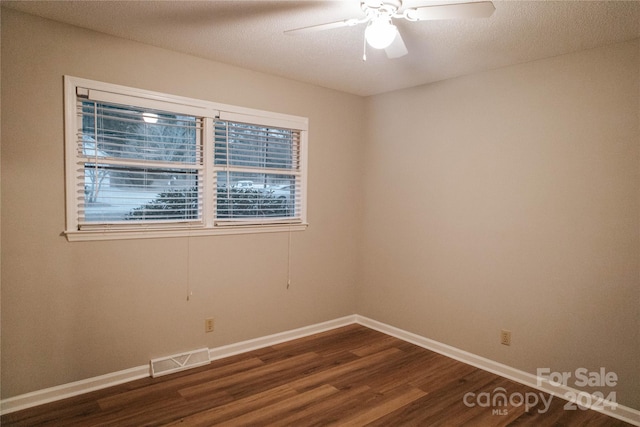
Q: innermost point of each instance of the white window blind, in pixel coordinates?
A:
(147, 164)
(258, 174)
(137, 165)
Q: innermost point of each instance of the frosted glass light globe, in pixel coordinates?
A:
(380, 33)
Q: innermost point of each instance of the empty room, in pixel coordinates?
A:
(298, 213)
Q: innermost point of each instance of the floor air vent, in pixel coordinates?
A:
(179, 362)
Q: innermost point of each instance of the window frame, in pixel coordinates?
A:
(210, 112)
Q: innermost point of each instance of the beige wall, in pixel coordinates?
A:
(509, 199)
(76, 310)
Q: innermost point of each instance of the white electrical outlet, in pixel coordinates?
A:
(505, 337)
(208, 324)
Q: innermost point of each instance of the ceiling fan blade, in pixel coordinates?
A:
(322, 27)
(482, 9)
(397, 48)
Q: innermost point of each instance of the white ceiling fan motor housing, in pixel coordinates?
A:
(375, 8)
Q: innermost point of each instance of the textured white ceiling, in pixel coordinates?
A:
(250, 34)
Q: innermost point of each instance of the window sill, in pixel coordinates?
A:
(109, 234)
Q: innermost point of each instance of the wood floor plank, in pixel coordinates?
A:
(360, 366)
(329, 341)
(400, 370)
(351, 376)
(271, 413)
(275, 378)
(445, 402)
(330, 408)
(384, 407)
(237, 407)
(376, 346)
(129, 416)
(498, 415)
(165, 388)
(441, 371)
(42, 415)
(242, 377)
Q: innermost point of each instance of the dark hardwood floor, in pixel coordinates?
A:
(351, 376)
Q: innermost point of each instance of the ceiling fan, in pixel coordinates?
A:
(380, 32)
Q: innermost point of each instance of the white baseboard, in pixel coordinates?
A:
(40, 397)
(254, 344)
(620, 412)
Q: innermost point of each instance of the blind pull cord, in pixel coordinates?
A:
(289, 259)
(189, 292)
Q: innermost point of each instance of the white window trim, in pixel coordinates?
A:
(210, 111)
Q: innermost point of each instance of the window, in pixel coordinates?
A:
(145, 164)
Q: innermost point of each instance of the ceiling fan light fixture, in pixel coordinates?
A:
(380, 33)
